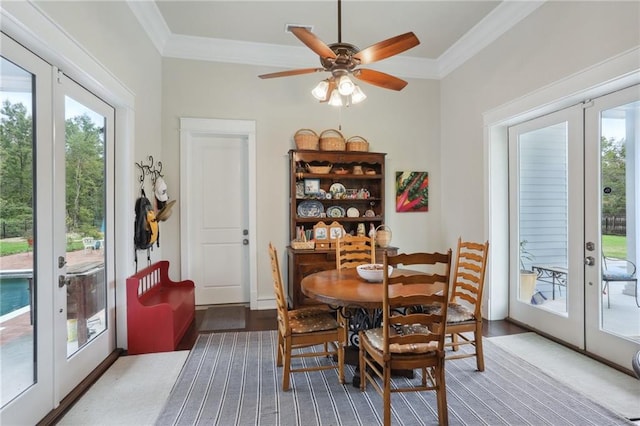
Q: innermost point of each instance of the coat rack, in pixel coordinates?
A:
(149, 170)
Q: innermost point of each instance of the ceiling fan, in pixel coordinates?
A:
(343, 59)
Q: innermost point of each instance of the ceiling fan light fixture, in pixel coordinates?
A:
(345, 86)
(335, 99)
(358, 95)
(320, 91)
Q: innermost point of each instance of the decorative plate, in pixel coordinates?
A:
(310, 208)
(337, 191)
(335, 211)
(353, 212)
(300, 189)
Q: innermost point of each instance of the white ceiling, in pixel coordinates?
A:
(253, 32)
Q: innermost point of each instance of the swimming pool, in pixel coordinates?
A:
(14, 291)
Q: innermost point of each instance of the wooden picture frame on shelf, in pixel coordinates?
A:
(336, 231)
(311, 186)
(321, 235)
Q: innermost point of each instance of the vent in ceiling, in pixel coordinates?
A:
(287, 27)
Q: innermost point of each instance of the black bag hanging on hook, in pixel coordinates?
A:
(146, 231)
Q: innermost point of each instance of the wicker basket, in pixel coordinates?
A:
(383, 235)
(319, 170)
(357, 143)
(332, 140)
(306, 139)
(303, 245)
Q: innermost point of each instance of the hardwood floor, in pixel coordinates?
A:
(266, 320)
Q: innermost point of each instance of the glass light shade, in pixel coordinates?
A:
(320, 91)
(358, 95)
(345, 86)
(335, 99)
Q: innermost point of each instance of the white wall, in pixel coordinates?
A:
(556, 42)
(403, 124)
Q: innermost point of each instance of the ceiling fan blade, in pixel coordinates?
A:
(313, 42)
(387, 48)
(291, 72)
(380, 79)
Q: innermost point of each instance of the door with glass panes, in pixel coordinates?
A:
(56, 314)
(574, 191)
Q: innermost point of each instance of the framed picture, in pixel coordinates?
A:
(311, 186)
(412, 191)
(336, 231)
(320, 231)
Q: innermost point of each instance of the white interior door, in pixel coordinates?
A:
(215, 214)
(612, 132)
(546, 189)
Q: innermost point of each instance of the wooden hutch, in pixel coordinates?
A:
(336, 197)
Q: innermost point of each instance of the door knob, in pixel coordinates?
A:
(63, 280)
(589, 261)
(245, 242)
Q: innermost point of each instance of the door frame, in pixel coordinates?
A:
(191, 127)
(615, 73)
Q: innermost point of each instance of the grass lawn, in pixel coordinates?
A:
(614, 246)
(14, 246)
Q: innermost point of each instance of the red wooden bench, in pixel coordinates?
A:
(159, 311)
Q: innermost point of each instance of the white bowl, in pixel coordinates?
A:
(372, 272)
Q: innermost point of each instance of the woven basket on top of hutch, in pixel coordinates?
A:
(335, 190)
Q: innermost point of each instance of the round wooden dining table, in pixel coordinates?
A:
(344, 287)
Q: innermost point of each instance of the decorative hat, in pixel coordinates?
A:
(165, 212)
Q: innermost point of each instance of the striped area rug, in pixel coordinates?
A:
(232, 379)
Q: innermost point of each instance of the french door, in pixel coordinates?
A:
(574, 191)
(612, 131)
(56, 152)
(546, 188)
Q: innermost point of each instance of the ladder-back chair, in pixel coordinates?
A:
(352, 251)
(409, 338)
(301, 328)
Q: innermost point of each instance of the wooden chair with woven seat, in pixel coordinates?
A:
(409, 338)
(302, 328)
(352, 251)
(464, 317)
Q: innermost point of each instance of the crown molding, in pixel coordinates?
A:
(496, 23)
(149, 16)
(501, 19)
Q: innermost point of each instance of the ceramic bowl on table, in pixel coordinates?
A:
(372, 272)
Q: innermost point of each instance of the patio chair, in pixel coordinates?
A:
(302, 328)
(352, 251)
(409, 338)
(627, 274)
(89, 243)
